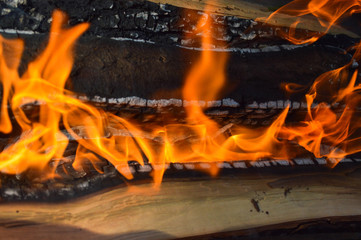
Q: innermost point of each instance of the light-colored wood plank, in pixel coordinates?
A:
(186, 208)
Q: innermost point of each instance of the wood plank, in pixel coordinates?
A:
(186, 208)
(260, 9)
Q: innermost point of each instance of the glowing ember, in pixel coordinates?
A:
(324, 133)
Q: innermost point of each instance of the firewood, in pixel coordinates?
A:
(183, 208)
(253, 10)
(119, 69)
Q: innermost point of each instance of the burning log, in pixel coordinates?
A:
(49, 132)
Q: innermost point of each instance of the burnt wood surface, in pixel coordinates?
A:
(113, 69)
(261, 9)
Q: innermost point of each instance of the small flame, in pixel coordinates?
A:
(327, 14)
(324, 132)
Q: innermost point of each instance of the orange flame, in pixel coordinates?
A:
(324, 132)
(327, 13)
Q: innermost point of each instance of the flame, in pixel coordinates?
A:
(327, 14)
(324, 132)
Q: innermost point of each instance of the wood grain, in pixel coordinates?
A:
(183, 208)
(260, 9)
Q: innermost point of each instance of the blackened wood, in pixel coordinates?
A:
(162, 22)
(111, 68)
(259, 9)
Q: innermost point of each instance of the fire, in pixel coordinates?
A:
(324, 132)
(327, 14)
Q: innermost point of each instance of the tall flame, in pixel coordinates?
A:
(324, 132)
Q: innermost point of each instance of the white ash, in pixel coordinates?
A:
(205, 165)
(152, 103)
(272, 104)
(162, 27)
(164, 103)
(178, 166)
(136, 101)
(225, 38)
(214, 103)
(189, 166)
(99, 99)
(5, 11)
(253, 105)
(143, 15)
(14, 31)
(185, 42)
(224, 165)
(346, 160)
(304, 161)
(258, 164)
(145, 168)
(130, 39)
(83, 185)
(228, 102)
(321, 161)
(161, 167)
(112, 100)
(176, 102)
(291, 47)
(122, 101)
(164, 7)
(296, 105)
(287, 103)
(282, 162)
(354, 64)
(239, 165)
(83, 98)
(12, 192)
(14, 3)
(263, 105)
(280, 104)
(187, 103)
(174, 39)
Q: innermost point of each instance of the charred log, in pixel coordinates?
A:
(115, 69)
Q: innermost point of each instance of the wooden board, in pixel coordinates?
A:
(189, 207)
(260, 9)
